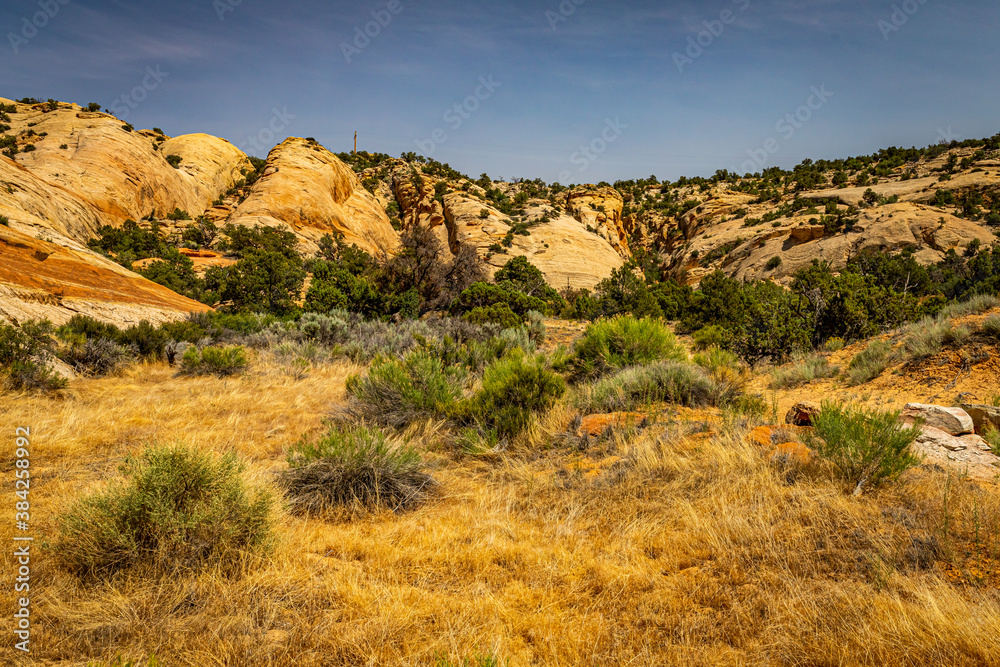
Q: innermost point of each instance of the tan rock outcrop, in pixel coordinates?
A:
(213, 164)
(308, 189)
(953, 421)
(562, 249)
(601, 210)
(46, 208)
(122, 174)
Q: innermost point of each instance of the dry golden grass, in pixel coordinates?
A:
(681, 548)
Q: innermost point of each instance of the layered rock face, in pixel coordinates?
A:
(601, 210)
(39, 279)
(562, 248)
(308, 189)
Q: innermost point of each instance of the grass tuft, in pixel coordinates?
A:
(354, 465)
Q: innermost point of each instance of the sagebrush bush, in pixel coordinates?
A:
(33, 375)
(610, 345)
(870, 363)
(175, 508)
(25, 357)
(926, 337)
(218, 361)
(803, 370)
(835, 344)
(714, 359)
(869, 447)
(396, 392)
(514, 389)
(665, 381)
(354, 465)
(991, 327)
(97, 357)
(975, 305)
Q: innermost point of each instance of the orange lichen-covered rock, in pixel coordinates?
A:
(791, 451)
(762, 436)
(596, 425)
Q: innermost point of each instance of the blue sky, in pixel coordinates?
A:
(574, 92)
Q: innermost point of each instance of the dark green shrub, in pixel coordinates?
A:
(4, 220)
(869, 447)
(174, 161)
(396, 392)
(491, 298)
(664, 381)
(773, 263)
(218, 361)
(610, 345)
(354, 465)
(176, 508)
(145, 340)
(498, 313)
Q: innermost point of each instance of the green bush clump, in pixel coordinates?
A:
(145, 340)
(354, 465)
(870, 363)
(869, 447)
(25, 357)
(610, 345)
(514, 388)
(803, 370)
(396, 392)
(176, 508)
(710, 336)
(218, 361)
(664, 381)
(499, 314)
